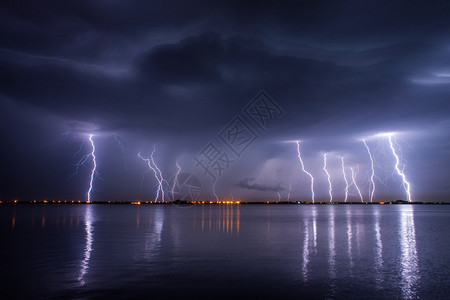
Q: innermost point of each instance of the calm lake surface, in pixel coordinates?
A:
(223, 252)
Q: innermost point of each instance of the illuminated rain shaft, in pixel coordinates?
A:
(290, 190)
(330, 188)
(354, 182)
(406, 184)
(345, 179)
(120, 142)
(94, 170)
(214, 191)
(157, 172)
(303, 169)
(175, 180)
(372, 175)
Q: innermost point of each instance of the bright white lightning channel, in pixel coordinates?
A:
(157, 172)
(372, 182)
(330, 189)
(345, 179)
(83, 161)
(91, 182)
(175, 180)
(354, 182)
(406, 184)
(303, 169)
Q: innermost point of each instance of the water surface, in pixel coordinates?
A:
(219, 252)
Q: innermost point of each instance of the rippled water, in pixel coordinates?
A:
(219, 252)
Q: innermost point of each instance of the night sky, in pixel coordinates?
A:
(181, 75)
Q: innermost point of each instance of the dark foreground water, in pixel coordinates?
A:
(223, 252)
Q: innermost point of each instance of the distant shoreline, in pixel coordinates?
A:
(179, 202)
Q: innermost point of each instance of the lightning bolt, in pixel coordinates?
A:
(372, 182)
(157, 172)
(175, 180)
(345, 179)
(406, 184)
(303, 169)
(214, 191)
(82, 162)
(79, 150)
(330, 189)
(354, 182)
(279, 196)
(91, 182)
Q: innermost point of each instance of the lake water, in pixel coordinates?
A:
(223, 252)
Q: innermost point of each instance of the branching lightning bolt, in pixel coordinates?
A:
(175, 180)
(372, 182)
(157, 172)
(406, 184)
(159, 178)
(303, 169)
(79, 150)
(345, 179)
(354, 182)
(94, 170)
(330, 189)
(83, 160)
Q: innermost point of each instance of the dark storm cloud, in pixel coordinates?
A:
(177, 72)
(251, 184)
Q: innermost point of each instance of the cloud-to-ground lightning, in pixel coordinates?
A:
(303, 169)
(94, 169)
(372, 175)
(214, 191)
(161, 179)
(330, 188)
(406, 184)
(157, 172)
(345, 179)
(175, 180)
(354, 182)
(83, 161)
